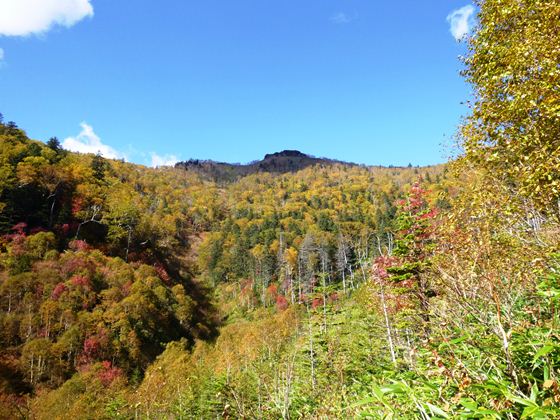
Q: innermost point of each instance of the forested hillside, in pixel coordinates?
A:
(104, 262)
(93, 264)
(301, 289)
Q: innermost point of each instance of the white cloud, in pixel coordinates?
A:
(89, 142)
(1, 54)
(342, 18)
(26, 17)
(461, 21)
(165, 160)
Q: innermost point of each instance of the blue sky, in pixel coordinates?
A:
(358, 80)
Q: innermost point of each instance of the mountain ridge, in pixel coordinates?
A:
(285, 161)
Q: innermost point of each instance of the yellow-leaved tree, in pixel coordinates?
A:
(514, 68)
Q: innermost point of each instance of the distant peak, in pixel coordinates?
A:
(282, 162)
(286, 153)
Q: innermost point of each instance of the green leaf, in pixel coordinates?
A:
(543, 352)
(534, 393)
(460, 339)
(522, 401)
(437, 411)
(533, 413)
(546, 373)
(469, 404)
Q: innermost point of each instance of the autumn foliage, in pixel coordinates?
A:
(337, 291)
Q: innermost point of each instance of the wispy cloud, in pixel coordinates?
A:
(342, 18)
(1, 54)
(26, 17)
(461, 21)
(89, 142)
(163, 160)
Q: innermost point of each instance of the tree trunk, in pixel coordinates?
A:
(388, 327)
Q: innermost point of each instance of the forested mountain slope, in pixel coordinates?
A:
(92, 264)
(333, 291)
(104, 262)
